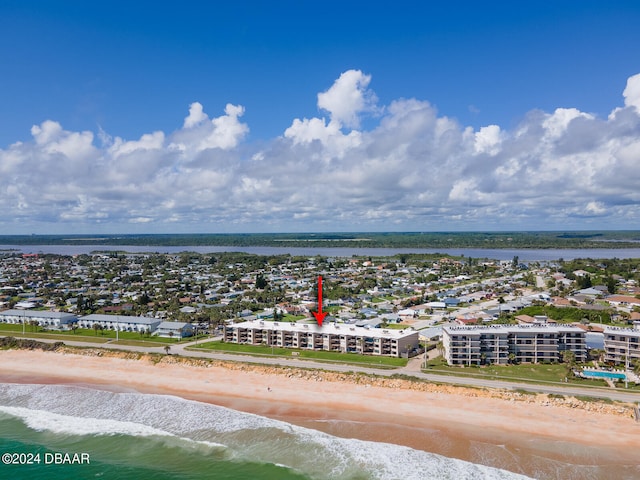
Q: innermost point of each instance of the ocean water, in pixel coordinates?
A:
(158, 437)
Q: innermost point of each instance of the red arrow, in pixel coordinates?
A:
(319, 314)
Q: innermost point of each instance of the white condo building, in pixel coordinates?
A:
(120, 322)
(475, 345)
(621, 345)
(330, 337)
(44, 318)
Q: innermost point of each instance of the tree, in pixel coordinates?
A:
(529, 279)
(261, 282)
(79, 303)
(585, 282)
(167, 349)
(144, 299)
(569, 358)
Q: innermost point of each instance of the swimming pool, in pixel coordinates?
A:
(601, 374)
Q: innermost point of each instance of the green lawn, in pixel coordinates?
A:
(538, 373)
(332, 309)
(351, 358)
(51, 336)
(111, 334)
(396, 326)
(87, 334)
(138, 343)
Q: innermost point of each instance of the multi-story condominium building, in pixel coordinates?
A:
(120, 322)
(331, 337)
(621, 345)
(44, 318)
(475, 345)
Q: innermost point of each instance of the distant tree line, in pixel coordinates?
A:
(595, 239)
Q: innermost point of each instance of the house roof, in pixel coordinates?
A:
(173, 325)
(623, 299)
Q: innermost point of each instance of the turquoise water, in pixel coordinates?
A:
(600, 374)
(149, 437)
(123, 457)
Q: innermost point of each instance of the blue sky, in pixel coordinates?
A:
(318, 116)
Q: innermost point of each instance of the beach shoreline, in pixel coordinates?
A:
(522, 433)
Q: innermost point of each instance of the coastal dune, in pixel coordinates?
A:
(535, 435)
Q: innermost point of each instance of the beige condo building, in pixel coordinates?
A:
(621, 345)
(333, 337)
(476, 345)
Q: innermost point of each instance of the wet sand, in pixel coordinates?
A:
(541, 440)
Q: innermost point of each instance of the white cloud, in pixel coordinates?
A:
(196, 115)
(200, 133)
(53, 139)
(487, 140)
(415, 170)
(347, 98)
(148, 141)
(631, 93)
(557, 123)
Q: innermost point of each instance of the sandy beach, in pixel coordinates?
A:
(530, 434)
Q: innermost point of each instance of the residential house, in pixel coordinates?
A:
(174, 330)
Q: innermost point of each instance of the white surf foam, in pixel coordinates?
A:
(87, 411)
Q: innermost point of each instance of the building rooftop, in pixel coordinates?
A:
(327, 328)
(37, 313)
(622, 330)
(541, 328)
(95, 317)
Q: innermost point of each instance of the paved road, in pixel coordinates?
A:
(411, 369)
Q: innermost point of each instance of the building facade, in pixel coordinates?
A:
(332, 337)
(120, 322)
(499, 344)
(44, 318)
(174, 330)
(621, 345)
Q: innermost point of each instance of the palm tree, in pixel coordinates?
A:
(570, 359)
(167, 349)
